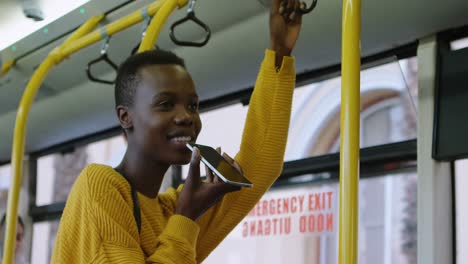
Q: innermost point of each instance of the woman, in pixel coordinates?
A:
(117, 216)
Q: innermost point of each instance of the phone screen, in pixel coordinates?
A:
(220, 166)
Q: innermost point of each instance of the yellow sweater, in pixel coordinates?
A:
(98, 224)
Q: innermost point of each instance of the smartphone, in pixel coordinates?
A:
(219, 166)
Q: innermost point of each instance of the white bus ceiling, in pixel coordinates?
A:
(69, 106)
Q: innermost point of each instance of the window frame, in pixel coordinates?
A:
(400, 152)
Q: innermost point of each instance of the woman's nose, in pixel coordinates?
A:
(183, 117)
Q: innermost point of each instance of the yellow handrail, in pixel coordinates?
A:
(81, 38)
(156, 24)
(16, 159)
(84, 29)
(113, 28)
(6, 67)
(20, 136)
(349, 132)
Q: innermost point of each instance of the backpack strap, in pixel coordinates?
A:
(136, 205)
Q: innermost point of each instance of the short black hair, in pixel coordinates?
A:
(3, 220)
(128, 74)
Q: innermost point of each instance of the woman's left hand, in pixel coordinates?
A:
(285, 25)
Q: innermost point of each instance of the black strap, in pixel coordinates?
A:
(136, 206)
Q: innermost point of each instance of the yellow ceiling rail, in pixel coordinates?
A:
(84, 29)
(349, 132)
(81, 38)
(114, 27)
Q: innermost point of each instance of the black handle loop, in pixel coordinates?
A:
(306, 10)
(102, 58)
(190, 17)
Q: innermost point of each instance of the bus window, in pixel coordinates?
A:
(5, 175)
(388, 110)
(21, 253)
(43, 241)
(57, 172)
(389, 107)
(299, 224)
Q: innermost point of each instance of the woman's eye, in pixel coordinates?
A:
(166, 105)
(193, 107)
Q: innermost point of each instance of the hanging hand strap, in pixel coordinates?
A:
(104, 57)
(190, 17)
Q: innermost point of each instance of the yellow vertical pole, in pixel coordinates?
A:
(17, 157)
(349, 132)
(20, 136)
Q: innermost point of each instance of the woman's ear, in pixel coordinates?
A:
(125, 118)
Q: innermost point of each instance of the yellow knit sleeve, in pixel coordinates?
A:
(98, 226)
(261, 152)
(177, 242)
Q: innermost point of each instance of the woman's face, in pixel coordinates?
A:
(165, 114)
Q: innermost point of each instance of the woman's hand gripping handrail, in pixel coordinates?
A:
(303, 8)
